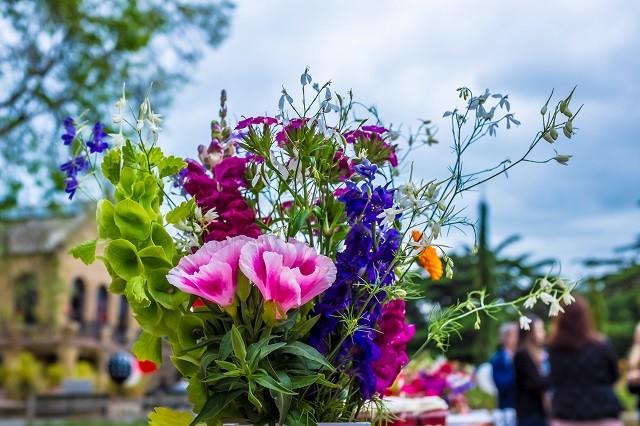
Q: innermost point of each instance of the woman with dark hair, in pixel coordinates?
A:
(531, 382)
(584, 368)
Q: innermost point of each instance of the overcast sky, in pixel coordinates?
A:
(408, 57)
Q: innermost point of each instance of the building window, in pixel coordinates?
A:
(102, 312)
(26, 298)
(77, 301)
(123, 321)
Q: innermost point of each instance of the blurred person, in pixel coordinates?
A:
(584, 369)
(503, 372)
(531, 382)
(633, 369)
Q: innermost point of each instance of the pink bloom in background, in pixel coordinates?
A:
(343, 165)
(211, 272)
(288, 273)
(294, 124)
(392, 342)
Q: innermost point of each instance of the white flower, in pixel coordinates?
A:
(406, 196)
(422, 243)
(567, 298)
(389, 215)
(140, 125)
(118, 139)
(547, 298)
(118, 117)
(530, 302)
(555, 308)
(524, 322)
(183, 226)
(545, 284)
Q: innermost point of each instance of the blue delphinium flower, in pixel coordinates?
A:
(366, 169)
(69, 131)
(361, 262)
(71, 168)
(97, 142)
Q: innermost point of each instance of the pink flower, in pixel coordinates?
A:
(211, 272)
(287, 273)
(269, 121)
(392, 342)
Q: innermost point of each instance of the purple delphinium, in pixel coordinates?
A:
(69, 131)
(364, 260)
(71, 168)
(97, 142)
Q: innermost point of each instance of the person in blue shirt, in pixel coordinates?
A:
(503, 372)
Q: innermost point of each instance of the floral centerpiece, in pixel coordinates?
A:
(441, 377)
(277, 263)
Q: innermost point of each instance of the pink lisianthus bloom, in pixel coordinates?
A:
(392, 342)
(287, 273)
(211, 272)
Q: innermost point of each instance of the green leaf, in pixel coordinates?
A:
(117, 286)
(307, 352)
(264, 352)
(297, 222)
(128, 177)
(153, 257)
(167, 295)
(216, 403)
(238, 345)
(165, 417)
(111, 166)
(135, 292)
(190, 330)
(132, 220)
(123, 259)
(298, 382)
(227, 365)
(283, 401)
(148, 348)
(301, 329)
(225, 346)
(85, 251)
(197, 393)
(105, 218)
(161, 237)
(129, 154)
(181, 212)
(186, 365)
(149, 318)
(155, 155)
(170, 166)
(263, 379)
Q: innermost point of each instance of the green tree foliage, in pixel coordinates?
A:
(504, 276)
(614, 295)
(60, 58)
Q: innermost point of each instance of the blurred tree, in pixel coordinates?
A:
(504, 277)
(614, 294)
(59, 58)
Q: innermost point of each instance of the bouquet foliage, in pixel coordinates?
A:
(276, 265)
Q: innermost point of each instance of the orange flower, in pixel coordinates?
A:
(428, 258)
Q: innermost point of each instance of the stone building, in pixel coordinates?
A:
(51, 304)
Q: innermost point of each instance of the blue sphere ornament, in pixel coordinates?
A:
(120, 367)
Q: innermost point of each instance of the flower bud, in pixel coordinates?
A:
(562, 159)
(543, 111)
(554, 133)
(547, 137)
(563, 106)
(568, 112)
(568, 129)
(441, 205)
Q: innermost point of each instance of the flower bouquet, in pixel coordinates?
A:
(276, 265)
(441, 377)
